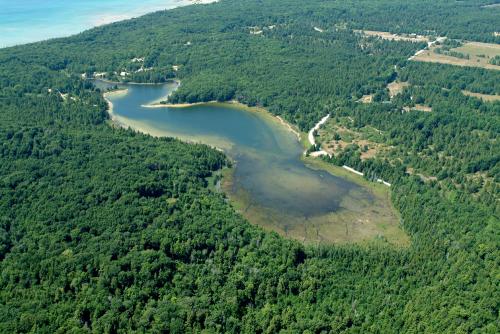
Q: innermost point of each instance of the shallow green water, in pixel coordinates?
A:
(268, 166)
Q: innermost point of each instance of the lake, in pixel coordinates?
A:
(271, 185)
(25, 21)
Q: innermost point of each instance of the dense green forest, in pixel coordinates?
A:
(105, 230)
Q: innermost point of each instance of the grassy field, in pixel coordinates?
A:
(335, 136)
(484, 97)
(396, 87)
(418, 107)
(366, 99)
(479, 55)
(393, 37)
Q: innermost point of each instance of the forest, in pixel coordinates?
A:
(104, 230)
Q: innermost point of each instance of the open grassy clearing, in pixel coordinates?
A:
(366, 99)
(418, 107)
(484, 97)
(393, 37)
(396, 88)
(336, 135)
(479, 55)
(423, 177)
(478, 50)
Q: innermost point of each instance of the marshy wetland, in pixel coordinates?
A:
(272, 184)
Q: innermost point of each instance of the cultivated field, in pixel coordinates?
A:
(479, 55)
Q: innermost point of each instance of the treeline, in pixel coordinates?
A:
(476, 80)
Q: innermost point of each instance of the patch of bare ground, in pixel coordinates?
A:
(475, 54)
(396, 88)
(425, 178)
(393, 37)
(366, 99)
(368, 149)
(418, 107)
(335, 137)
(484, 97)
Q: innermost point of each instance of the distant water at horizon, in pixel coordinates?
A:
(26, 21)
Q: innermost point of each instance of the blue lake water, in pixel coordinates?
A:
(25, 21)
(271, 183)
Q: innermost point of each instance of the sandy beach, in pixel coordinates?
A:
(117, 120)
(107, 18)
(177, 105)
(142, 127)
(289, 126)
(112, 115)
(233, 102)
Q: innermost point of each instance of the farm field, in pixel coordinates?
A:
(479, 55)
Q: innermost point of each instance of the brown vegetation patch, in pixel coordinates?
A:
(393, 37)
(423, 177)
(396, 88)
(366, 99)
(479, 55)
(418, 107)
(484, 97)
(336, 137)
(368, 149)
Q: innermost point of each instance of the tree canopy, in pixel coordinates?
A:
(109, 231)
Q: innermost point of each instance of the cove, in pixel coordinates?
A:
(270, 184)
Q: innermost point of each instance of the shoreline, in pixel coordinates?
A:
(233, 103)
(97, 17)
(376, 188)
(178, 105)
(110, 110)
(230, 103)
(289, 126)
(117, 121)
(177, 82)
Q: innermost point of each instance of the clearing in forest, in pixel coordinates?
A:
(484, 97)
(393, 37)
(418, 107)
(366, 99)
(396, 87)
(335, 136)
(474, 54)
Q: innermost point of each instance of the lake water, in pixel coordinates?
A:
(273, 186)
(24, 21)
